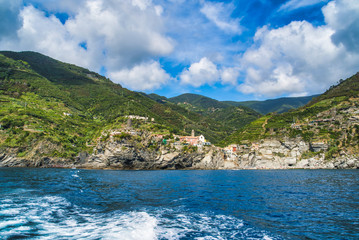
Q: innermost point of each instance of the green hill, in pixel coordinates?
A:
(45, 102)
(198, 102)
(332, 118)
(234, 117)
(279, 105)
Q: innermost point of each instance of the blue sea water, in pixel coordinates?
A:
(99, 204)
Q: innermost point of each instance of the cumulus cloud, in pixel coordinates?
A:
(146, 76)
(343, 17)
(200, 73)
(129, 32)
(220, 15)
(229, 76)
(300, 58)
(206, 72)
(48, 35)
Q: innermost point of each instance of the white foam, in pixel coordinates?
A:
(267, 237)
(56, 218)
(212, 226)
(6, 224)
(11, 211)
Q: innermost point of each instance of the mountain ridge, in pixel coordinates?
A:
(279, 105)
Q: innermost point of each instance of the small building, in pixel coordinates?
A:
(189, 139)
(193, 140)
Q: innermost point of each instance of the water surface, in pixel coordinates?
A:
(98, 204)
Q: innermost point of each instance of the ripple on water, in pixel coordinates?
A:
(53, 217)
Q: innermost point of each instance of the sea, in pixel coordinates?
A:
(189, 204)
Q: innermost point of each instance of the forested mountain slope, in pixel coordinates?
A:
(331, 119)
(67, 107)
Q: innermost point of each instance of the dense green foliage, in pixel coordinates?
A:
(324, 119)
(45, 100)
(199, 101)
(279, 105)
(233, 117)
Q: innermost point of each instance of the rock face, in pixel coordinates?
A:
(138, 154)
(268, 154)
(125, 155)
(290, 153)
(272, 154)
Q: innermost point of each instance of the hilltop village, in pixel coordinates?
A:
(169, 139)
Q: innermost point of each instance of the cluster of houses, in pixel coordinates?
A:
(185, 140)
(192, 140)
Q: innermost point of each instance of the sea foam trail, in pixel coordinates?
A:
(53, 217)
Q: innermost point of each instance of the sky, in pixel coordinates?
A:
(227, 50)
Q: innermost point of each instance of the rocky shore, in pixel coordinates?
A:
(129, 154)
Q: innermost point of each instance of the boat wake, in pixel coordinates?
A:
(53, 217)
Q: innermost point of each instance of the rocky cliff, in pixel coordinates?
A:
(290, 153)
(142, 152)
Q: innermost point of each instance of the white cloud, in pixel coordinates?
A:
(200, 73)
(300, 58)
(128, 32)
(46, 35)
(295, 4)
(343, 17)
(281, 80)
(146, 76)
(229, 76)
(142, 4)
(206, 72)
(220, 15)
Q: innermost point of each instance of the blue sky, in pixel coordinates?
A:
(227, 50)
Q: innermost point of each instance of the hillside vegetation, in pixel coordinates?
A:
(58, 109)
(331, 119)
(234, 117)
(279, 105)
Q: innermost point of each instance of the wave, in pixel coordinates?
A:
(53, 217)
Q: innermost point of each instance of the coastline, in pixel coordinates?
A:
(14, 162)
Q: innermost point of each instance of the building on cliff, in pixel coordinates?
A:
(194, 140)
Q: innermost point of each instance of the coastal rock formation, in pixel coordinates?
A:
(127, 154)
(267, 154)
(142, 153)
(290, 153)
